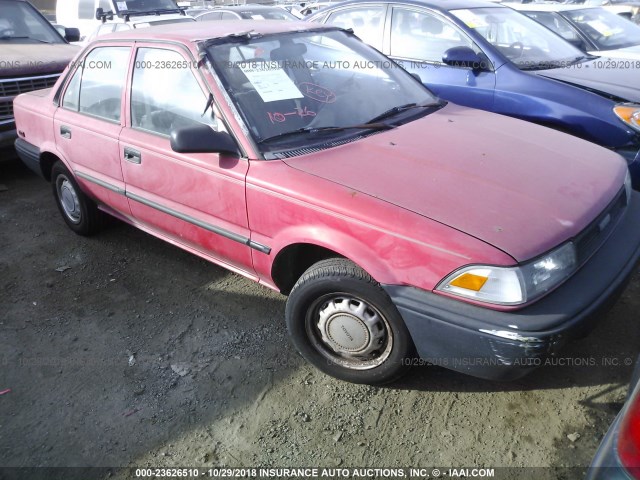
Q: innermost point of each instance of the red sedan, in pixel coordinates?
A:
(404, 229)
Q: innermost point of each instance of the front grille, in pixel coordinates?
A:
(597, 232)
(11, 87)
(6, 110)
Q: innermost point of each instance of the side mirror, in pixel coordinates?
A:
(102, 15)
(201, 138)
(72, 34)
(464, 57)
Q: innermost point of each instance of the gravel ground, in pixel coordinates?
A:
(122, 350)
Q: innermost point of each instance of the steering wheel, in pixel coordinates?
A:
(517, 46)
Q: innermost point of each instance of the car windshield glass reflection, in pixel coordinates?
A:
(293, 89)
(528, 44)
(145, 5)
(19, 22)
(607, 30)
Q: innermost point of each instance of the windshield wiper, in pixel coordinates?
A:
(8, 37)
(578, 59)
(149, 13)
(364, 126)
(400, 108)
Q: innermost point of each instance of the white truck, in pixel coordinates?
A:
(90, 15)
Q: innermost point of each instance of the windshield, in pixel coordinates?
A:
(144, 5)
(20, 22)
(556, 22)
(607, 30)
(528, 44)
(328, 83)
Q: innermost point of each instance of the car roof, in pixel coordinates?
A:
(189, 32)
(443, 5)
(548, 7)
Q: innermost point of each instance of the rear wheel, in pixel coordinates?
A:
(79, 212)
(344, 323)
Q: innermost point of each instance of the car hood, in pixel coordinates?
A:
(603, 76)
(628, 53)
(20, 59)
(517, 186)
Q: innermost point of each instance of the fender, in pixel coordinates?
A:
(547, 100)
(50, 148)
(394, 245)
(329, 239)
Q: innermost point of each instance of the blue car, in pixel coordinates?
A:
(489, 56)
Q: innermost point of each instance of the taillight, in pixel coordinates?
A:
(629, 437)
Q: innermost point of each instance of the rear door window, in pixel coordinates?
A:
(96, 87)
(424, 36)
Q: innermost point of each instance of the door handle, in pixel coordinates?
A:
(65, 132)
(133, 156)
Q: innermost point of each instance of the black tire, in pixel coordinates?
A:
(332, 295)
(79, 212)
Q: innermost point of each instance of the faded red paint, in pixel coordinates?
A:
(409, 205)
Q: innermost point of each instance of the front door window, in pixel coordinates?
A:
(424, 36)
(165, 95)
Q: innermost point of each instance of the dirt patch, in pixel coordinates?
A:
(122, 350)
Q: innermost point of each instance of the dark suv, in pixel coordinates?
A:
(32, 56)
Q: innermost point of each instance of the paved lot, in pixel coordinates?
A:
(123, 350)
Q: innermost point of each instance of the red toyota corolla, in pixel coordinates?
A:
(404, 229)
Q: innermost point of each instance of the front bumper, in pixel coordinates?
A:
(8, 134)
(501, 345)
(29, 154)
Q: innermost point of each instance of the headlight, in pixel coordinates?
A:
(629, 114)
(627, 186)
(512, 285)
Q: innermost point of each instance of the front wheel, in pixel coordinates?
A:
(344, 323)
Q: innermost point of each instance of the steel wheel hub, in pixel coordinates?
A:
(69, 200)
(351, 328)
